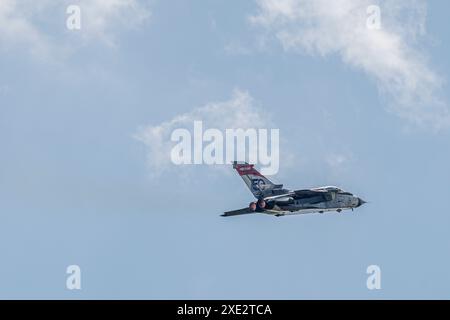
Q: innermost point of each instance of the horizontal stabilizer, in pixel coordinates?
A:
(238, 212)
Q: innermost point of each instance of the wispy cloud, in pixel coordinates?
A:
(16, 27)
(391, 55)
(238, 112)
(25, 23)
(104, 18)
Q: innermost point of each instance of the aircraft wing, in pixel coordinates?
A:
(238, 212)
(307, 193)
(283, 195)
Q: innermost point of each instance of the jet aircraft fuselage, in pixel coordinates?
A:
(275, 200)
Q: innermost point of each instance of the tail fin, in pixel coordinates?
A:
(258, 184)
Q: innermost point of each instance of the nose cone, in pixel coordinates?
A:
(360, 202)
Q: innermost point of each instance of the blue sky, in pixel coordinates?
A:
(78, 187)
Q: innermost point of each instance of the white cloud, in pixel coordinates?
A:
(38, 25)
(17, 29)
(103, 18)
(238, 112)
(390, 55)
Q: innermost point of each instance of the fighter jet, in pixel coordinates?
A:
(274, 200)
